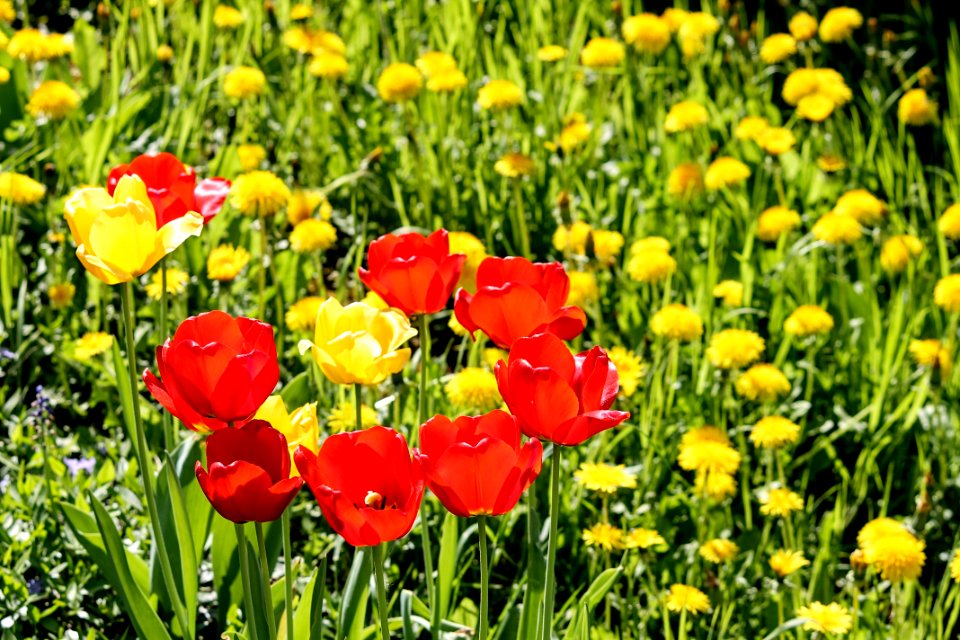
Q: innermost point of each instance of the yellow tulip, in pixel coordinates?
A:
(358, 344)
(299, 428)
(117, 237)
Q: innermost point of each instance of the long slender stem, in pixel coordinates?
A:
(262, 276)
(265, 577)
(358, 404)
(288, 577)
(551, 585)
(381, 592)
(245, 579)
(432, 596)
(146, 466)
(166, 418)
(483, 625)
(424, 359)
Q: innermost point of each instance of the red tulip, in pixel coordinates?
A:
(172, 187)
(249, 477)
(412, 273)
(517, 298)
(476, 465)
(216, 370)
(368, 486)
(557, 396)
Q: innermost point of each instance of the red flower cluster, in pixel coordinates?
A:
(172, 187)
(216, 370)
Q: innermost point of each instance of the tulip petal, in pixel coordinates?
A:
(176, 232)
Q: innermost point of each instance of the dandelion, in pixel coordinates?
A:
(399, 82)
(949, 222)
(651, 267)
(715, 485)
(226, 17)
(685, 116)
(225, 262)
(774, 432)
(734, 348)
(32, 45)
(602, 53)
(932, 353)
(780, 503)
(647, 33)
(576, 131)
(500, 94)
(955, 567)
(826, 618)
(707, 450)
(343, 417)
(829, 163)
(447, 81)
(551, 53)
(833, 228)
(572, 238)
(471, 246)
(898, 251)
(164, 53)
(916, 108)
(685, 181)
(259, 193)
(491, 355)
(474, 389)
(641, 538)
(718, 550)
(603, 535)
(91, 344)
(53, 100)
(807, 320)
(583, 289)
(897, 557)
(816, 92)
(946, 294)
(694, 31)
(20, 189)
(514, 165)
(777, 48)
(302, 204)
(606, 245)
(803, 26)
(862, 206)
(433, 63)
(302, 314)
(300, 11)
(313, 235)
(251, 156)
(630, 368)
(328, 65)
(764, 382)
(604, 478)
(784, 562)
(777, 140)
(751, 128)
(177, 280)
(725, 172)
(61, 295)
(683, 597)
(730, 291)
(839, 23)
(677, 322)
(244, 82)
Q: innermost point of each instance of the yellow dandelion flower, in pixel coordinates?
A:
(764, 382)
(684, 116)
(312, 235)
(773, 432)
(603, 535)
(916, 108)
(343, 417)
(7, 12)
(807, 320)
(829, 163)
(955, 567)
(500, 94)
(177, 280)
(730, 291)
(471, 246)
(898, 251)
(898, 557)
(447, 81)
(602, 53)
(61, 295)
(606, 245)
(244, 82)
(862, 206)
(576, 131)
(650, 267)
(683, 597)
(685, 181)
(816, 107)
(715, 485)
(515, 165)
(641, 538)
(251, 156)
(164, 53)
(302, 204)
(551, 53)
(91, 344)
(694, 31)
(399, 82)
(434, 63)
(784, 562)
(604, 478)
(803, 26)
(583, 289)
(675, 18)
(725, 172)
(302, 314)
(826, 618)
(949, 222)
(259, 193)
(880, 528)
(53, 100)
(932, 353)
(20, 189)
(777, 48)
(677, 322)
(227, 17)
(751, 128)
(630, 368)
(709, 457)
(839, 24)
(474, 389)
(946, 294)
(734, 348)
(491, 356)
(718, 550)
(300, 11)
(33, 45)
(572, 238)
(328, 65)
(647, 33)
(777, 140)
(226, 262)
(833, 228)
(706, 433)
(780, 503)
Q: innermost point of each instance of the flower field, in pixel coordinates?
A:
(500, 320)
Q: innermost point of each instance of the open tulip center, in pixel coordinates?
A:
(374, 500)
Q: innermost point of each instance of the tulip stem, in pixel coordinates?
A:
(165, 415)
(358, 404)
(432, 597)
(245, 579)
(483, 624)
(424, 359)
(381, 591)
(146, 466)
(288, 576)
(551, 586)
(265, 577)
